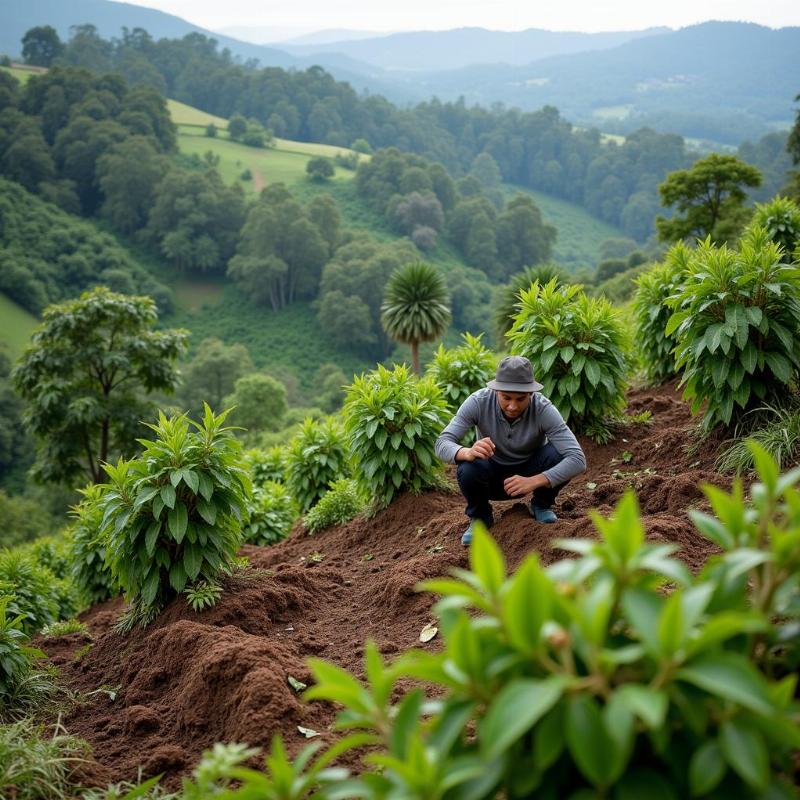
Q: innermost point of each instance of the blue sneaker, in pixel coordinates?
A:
(542, 514)
(466, 537)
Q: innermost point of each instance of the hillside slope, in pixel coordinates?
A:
(191, 679)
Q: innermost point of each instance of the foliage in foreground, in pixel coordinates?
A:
(462, 370)
(272, 511)
(652, 313)
(616, 674)
(392, 419)
(36, 762)
(577, 347)
(174, 515)
(736, 321)
(781, 219)
(339, 505)
(317, 457)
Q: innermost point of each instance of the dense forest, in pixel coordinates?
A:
(540, 150)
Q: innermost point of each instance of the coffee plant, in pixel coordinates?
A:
(52, 554)
(87, 545)
(780, 217)
(16, 657)
(505, 303)
(578, 350)
(35, 591)
(338, 505)
(317, 457)
(652, 313)
(462, 370)
(736, 319)
(266, 465)
(392, 419)
(272, 511)
(759, 568)
(173, 516)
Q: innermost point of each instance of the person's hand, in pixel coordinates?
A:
(483, 448)
(517, 485)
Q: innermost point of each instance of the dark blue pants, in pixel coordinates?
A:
(482, 480)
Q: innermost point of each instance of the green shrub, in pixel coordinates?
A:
(505, 304)
(339, 505)
(16, 658)
(88, 548)
(737, 324)
(174, 515)
(272, 513)
(462, 370)
(51, 552)
(23, 519)
(36, 762)
(652, 313)
(35, 595)
(780, 217)
(266, 465)
(392, 419)
(577, 347)
(317, 457)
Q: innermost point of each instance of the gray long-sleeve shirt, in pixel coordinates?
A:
(515, 441)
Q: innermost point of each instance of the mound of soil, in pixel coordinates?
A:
(156, 698)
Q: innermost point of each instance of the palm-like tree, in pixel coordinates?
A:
(415, 306)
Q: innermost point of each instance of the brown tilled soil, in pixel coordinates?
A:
(162, 695)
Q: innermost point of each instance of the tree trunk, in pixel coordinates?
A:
(415, 357)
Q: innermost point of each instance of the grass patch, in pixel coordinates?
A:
(22, 73)
(36, 762)
(579, 233)
(267, 165)
(192, 294)
(290, 340)
(189, 115)
(16, 326)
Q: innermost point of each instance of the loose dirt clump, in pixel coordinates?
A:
(157, 697)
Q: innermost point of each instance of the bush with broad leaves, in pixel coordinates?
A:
(317, 457)
(173, 516)
(392, 419)
(578, 349)
(736, 321)
(272, 511)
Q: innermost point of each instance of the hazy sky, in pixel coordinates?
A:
(573, 15)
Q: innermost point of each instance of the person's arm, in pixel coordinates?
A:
(563, 439)
(448, 445)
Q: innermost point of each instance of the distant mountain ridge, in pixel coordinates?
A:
(450, 49)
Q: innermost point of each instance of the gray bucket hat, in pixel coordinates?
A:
(514, 374)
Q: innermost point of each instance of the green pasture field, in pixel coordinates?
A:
(579, 233)
(189, 115)
(22, 73)
(16, 326)
(267, 165)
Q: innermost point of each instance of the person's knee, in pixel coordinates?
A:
(471, 473)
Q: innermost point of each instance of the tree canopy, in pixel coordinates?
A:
(86, 377)
(708, 199)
